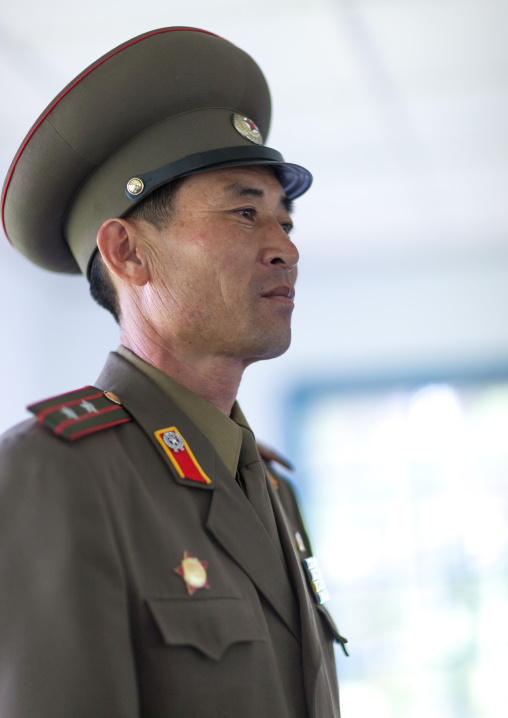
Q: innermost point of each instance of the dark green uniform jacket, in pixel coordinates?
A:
(94, 620)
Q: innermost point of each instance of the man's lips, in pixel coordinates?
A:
(283, 292)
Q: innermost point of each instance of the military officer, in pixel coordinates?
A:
(152, 562)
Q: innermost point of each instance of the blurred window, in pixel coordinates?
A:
(406, 490)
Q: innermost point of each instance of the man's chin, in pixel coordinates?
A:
(269, 349)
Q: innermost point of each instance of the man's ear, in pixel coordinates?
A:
(118, 243)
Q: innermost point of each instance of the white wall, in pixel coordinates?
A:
(391, 315)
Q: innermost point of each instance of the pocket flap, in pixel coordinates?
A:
(210, 625)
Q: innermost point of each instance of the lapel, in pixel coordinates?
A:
(236, 526)
(232, 521)
(317, 691)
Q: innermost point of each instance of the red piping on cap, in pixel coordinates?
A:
(134, 42)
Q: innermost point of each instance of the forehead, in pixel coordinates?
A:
(231, 181)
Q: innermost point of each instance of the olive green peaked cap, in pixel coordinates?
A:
(166, 104)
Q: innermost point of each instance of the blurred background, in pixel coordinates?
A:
(393, 399)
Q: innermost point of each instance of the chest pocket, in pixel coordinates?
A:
(209, 625)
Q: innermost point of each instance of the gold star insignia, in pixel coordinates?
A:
(193, 572)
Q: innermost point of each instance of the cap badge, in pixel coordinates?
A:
(135, 186)
(247, 128)
(193, 572)
(182, 458)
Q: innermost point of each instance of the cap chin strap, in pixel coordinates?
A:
(140, 185)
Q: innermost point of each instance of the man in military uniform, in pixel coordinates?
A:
(152, 563)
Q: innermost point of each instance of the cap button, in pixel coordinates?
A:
(135, 186)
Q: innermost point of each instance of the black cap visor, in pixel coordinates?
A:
(294, 179)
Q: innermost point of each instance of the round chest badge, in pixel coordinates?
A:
(173, 440)
(247, 128)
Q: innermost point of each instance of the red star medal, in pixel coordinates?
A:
(193, 572)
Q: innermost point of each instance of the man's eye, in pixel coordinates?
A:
(287, 227)
(247, 213)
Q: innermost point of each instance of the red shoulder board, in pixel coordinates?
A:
(81, 412)
(271, 455)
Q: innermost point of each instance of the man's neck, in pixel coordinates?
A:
(216, 379)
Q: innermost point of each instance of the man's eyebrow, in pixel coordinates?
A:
(241, 190)
(287, 204)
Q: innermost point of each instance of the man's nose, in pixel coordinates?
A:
(279, 247)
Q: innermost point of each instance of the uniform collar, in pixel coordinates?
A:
(222, 432)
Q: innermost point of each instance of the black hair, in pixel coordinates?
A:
(158, 210)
